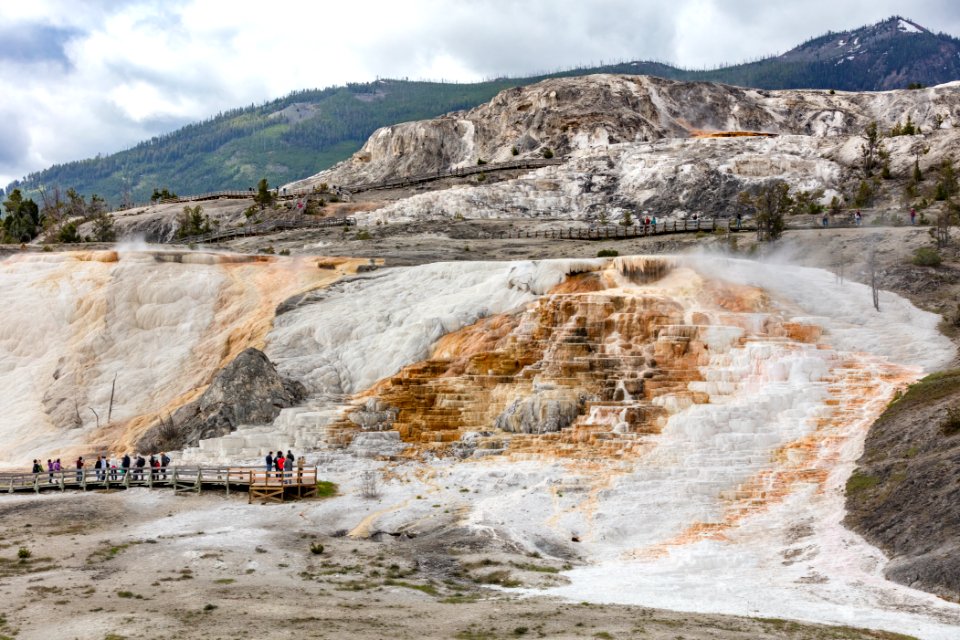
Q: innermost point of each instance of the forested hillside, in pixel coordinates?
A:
(310, 130)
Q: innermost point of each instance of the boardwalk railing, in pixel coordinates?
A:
(262, 228)
(271, 486)
(453, 173)
(632, 231)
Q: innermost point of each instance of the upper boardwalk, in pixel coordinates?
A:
(347, 190)
(273, 486)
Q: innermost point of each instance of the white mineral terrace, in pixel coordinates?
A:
(734, 507)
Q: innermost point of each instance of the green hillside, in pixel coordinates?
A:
(307, 131)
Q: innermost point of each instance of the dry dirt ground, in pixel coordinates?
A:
(149, 564)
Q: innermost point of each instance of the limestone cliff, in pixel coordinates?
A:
(638, 141)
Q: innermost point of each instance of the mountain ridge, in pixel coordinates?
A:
(309, 130)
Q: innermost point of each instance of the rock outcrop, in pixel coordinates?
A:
(247, 391)
(568, 115)
(905, 494)
(638, 142)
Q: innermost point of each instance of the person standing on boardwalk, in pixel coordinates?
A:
(50, 469)
(269, 461)
(125, 464)
(141, 463)
(37, 467)
(913, 216)
(98, 468)
(80, 469)
(278, 464)
(288, 465)
(164, 463)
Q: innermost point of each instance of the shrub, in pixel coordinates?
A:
(926, 257)
(284, 252)
(363, 234)
(951, 424)
(547, 153)
(481, 162)
(68, 234)
(316, 548)
(607, 253)
(23, 553)
(514, 151)
(326, 489)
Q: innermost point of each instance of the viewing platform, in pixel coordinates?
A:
(267, 486)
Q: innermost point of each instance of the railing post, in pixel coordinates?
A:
(63, 486)
(36, 483)
(199, 480)
(83, 479)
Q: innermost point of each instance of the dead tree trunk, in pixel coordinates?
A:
(113, 389)
(872, 270)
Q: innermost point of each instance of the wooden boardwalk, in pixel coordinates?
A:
(618, 232)
(262, 228)
(272, 486)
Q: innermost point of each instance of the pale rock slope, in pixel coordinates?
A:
(643, 142)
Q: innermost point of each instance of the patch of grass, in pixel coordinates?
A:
(363, 234)
(108, 551)
(534, 567)
(429, 589)
(606, 635)
(461, 598)
(501, 578)
(129, 594)
(23, 553)
(224, 581)
(327, 489)
(209, 607)
(608, 253)
(860, 482)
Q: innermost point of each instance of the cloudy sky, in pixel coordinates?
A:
(82, 77)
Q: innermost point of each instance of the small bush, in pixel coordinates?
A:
(547, 153)
(951, 424)
(23, 553)
(607, 253)
(514, 151)
(209, 607)
(326, 489)
(316, 548)
(481, 162)
(926, 257)
(284, 252)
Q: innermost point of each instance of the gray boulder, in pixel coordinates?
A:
(247, 391)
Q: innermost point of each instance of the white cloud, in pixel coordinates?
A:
(99, 76)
